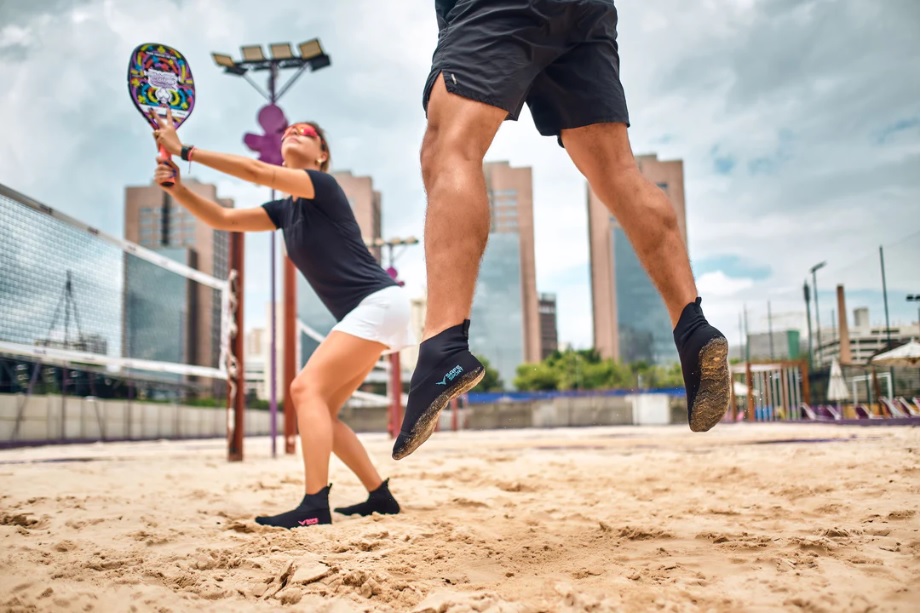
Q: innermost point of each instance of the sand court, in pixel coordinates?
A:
(744, 518)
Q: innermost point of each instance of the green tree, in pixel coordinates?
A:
(585, 369)
(621, 376)
(491, 381)
(536, 377)
(651, 376)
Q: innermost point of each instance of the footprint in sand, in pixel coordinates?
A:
(466, 502)
(642, 534)
(19, 519)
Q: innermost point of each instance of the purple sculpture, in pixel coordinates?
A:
(268, 145)
(394, 274)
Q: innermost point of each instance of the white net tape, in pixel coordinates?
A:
(229, 331)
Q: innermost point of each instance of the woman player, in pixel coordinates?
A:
(324, 242)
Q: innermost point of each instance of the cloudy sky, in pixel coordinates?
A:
(797, 120)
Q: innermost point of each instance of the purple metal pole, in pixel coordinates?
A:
(273, 401)
(268, 145)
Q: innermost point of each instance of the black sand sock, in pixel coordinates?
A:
(443, 345)
(313, 511)
(379, 501)
(446, 369)
(703, 351)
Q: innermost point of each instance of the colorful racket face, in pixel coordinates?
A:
(160, 77)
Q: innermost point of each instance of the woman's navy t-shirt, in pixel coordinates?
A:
(324, 242)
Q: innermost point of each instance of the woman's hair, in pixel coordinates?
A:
(324, 145)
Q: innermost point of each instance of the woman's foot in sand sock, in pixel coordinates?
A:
(379, 501)
(313, 511)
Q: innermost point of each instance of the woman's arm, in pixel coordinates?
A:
(287, 180)
(211, 213)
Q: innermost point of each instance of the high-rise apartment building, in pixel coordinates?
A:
(155, 221)
(548, 333)
(631, 322)
(505, 323)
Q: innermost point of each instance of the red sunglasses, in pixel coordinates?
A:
(301, 130)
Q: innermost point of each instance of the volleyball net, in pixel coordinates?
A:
(84, 312)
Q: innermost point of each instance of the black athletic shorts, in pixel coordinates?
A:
(559, 56)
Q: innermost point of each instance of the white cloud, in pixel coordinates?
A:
(12, 35)
(720, 285)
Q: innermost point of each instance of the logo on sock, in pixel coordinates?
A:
(309, 521)
(452, 374)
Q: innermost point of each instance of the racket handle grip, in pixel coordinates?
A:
(166, 156)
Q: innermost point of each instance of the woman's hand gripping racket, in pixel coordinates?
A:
(159, 79)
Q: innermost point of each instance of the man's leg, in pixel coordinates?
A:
(458, 134)
(602, 153)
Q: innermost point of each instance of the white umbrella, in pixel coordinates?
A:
(837, 386)
(908, 354)
(740, 389)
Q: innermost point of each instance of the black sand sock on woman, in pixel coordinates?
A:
(313, 511)
(445, 369)
(379, 501)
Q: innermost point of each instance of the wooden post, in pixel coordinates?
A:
(751, 391)
(732, 396)
(878, 407)
(804, 373)
(395, 411)
(785, 390)
(236, 402)
(289, 360)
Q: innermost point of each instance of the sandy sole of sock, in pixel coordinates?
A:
(426, 424)
(713, 397)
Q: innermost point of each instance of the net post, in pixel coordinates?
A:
(804, 374)
(396, 396)
(236, 390)
(290, 334)
(732, 397)
(749, 381)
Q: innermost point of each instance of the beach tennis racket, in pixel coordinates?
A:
(159, 78)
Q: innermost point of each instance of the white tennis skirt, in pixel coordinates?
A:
(382, 317)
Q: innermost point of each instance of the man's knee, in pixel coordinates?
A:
(601, 151)
(459, 130)
(448, 147)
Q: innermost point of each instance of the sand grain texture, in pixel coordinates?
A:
(744, 518)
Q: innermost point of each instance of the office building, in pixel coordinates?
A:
(548, 334)
(631, 322)
(154, 220)
(505, 320)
